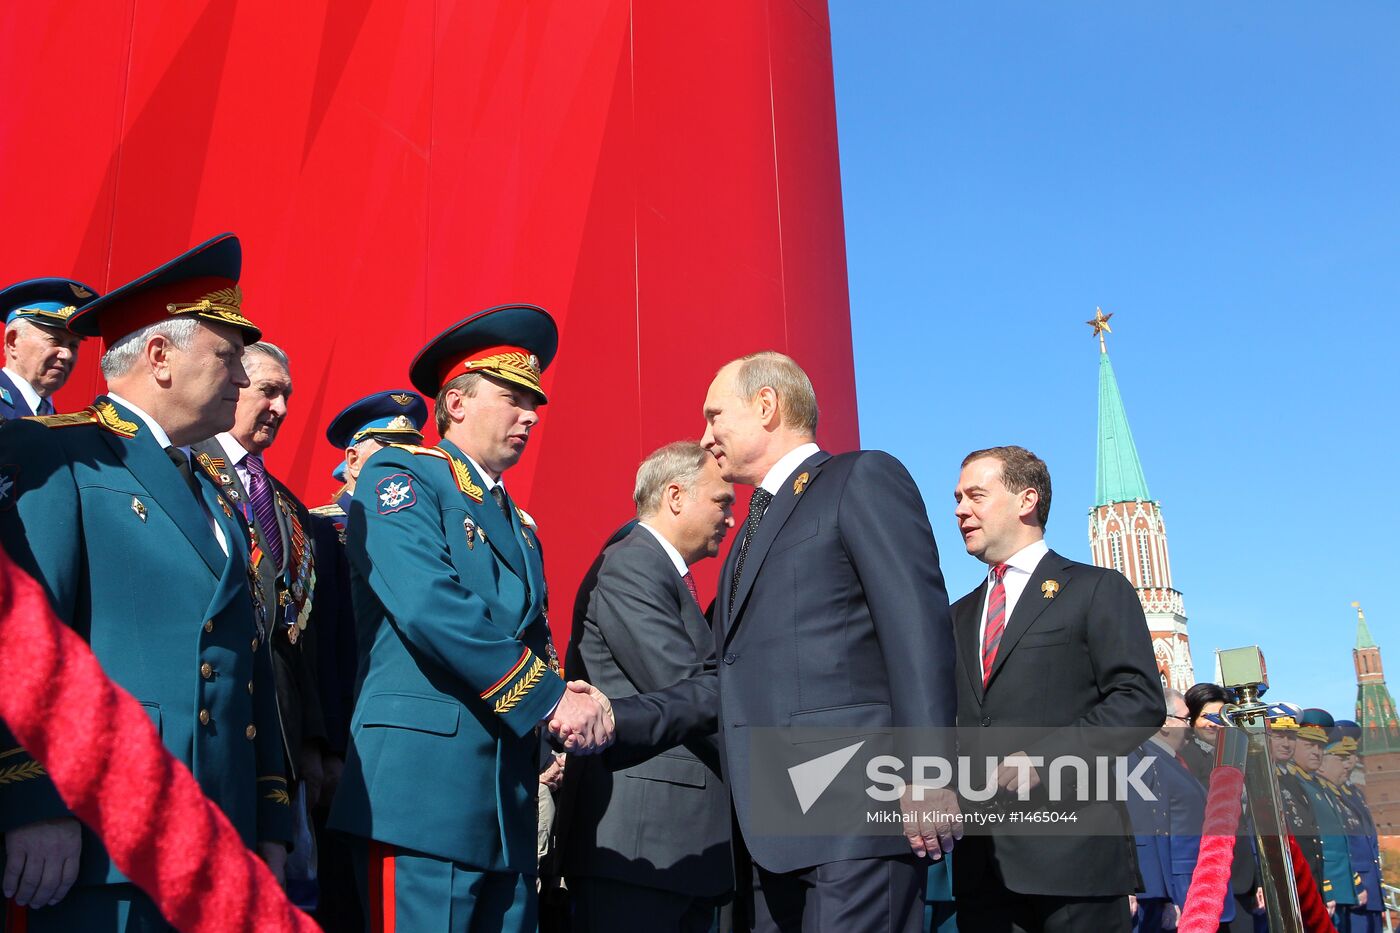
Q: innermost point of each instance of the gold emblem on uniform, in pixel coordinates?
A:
(138, 508)
(403, 398)
(401, 423)
(1050, 588)
(525, 533)
(800, 484)
(469, 527)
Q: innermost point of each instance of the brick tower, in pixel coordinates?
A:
(1380, 730)
(1126, 529)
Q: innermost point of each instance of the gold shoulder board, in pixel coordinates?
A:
(86, 416)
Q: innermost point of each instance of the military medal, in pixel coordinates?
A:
(525, 533)
(138, 508)
(469, 527)
(1050, 588)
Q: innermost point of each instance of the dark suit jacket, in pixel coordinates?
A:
(664, 822)
(12, 403)
(1079, 658)
(840, 621)
(298, 699)
(330, 635)
(1169, 829)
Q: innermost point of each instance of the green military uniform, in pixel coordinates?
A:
(189, 650)
(93, 506)
(442, 774)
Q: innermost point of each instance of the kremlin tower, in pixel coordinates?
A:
(1380, 730)
(1126, 531)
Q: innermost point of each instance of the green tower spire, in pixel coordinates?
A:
(1363, 631)
(1119, 477)
(1375, 708)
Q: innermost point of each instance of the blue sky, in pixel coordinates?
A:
(1226, 181)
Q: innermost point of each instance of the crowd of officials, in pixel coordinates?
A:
(371, 685)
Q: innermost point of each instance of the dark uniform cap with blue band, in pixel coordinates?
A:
(513, 343)
(51, 302)
(201, 283)
(396, 413)
(1315, 725)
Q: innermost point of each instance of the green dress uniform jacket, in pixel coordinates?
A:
(93, 508)
(1339, 882)
(453, 677)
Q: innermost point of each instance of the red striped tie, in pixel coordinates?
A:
(694, 590)
(996, 621)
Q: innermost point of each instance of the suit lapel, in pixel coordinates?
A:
(16, 400)
(779, 510)
(501, 534)
(152, 469)
(691, 615)
(966, 624)
(1032, 603)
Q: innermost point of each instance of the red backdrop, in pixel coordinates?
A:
(661, 176)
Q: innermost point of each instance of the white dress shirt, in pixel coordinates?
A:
(786, 466)
(1019, 567)
(25, 389)
(163, 439)
(236, 456)
(670, 549)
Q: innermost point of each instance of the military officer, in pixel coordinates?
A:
(139, 553)
(1364, 916)
(1283, 724)
(1339, 883)
(442, 774)
(40, 351)
(360, 429)
(281, 525)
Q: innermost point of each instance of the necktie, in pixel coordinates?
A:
(499, 494)
(264, 511)
(757, 506)
(46, 408)
(996, 621)
(694, 590)
(182, 463)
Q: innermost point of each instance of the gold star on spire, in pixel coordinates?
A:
(1100, 326)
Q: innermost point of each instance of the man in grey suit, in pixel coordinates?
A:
(647, 845)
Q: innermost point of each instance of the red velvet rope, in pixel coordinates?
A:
(1310, 903)
(161, 831)
(1210, 882)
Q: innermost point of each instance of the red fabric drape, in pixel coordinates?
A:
(160, 829)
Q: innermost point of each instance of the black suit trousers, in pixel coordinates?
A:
(868, 895)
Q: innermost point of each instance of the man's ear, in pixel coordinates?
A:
(156, 353)
(767, 401)
(673, 497)
(1030, 501)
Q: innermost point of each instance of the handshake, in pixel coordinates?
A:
(583, 722)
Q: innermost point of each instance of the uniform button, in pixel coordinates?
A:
(204, 717)
(251, 732)
(209, 625)
(206, 670)
(986, 720)
(250, 686)
(730, 658)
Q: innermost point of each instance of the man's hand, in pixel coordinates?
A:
(1015, 773)
(1132, 905)
(553, 776)
(936, 829)
(1171, 916)
(41, 861)
(1361, 898)
(1259, 900)
(583, 720)
(312, 775)
(275, 855)
(1331, 908)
